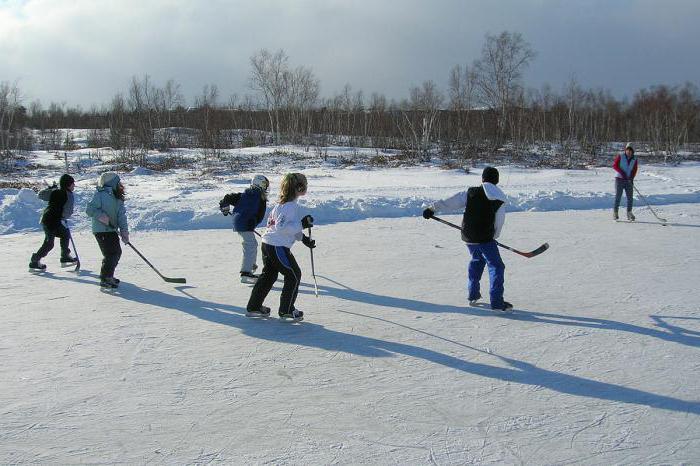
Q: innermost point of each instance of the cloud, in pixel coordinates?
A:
(84, 51)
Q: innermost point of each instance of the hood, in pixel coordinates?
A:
(493, 192)
(108, 179)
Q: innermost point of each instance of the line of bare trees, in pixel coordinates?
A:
(485, 106)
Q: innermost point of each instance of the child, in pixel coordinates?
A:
(284, 226)
(54, 221)
(248, 211)
(109, 215)
(484, 215)
(625, 167)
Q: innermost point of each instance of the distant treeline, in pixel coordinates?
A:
(485, 107)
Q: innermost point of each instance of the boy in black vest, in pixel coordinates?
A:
(484, 215)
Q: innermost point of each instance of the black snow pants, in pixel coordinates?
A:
(111, 252)
(51, 234)
(276, 260)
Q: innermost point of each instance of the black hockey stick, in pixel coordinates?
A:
(77, 258)
(167, 279)
(662, 220)
(533, 253)
(313, 270)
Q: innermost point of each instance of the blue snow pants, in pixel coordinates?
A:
(486, 254)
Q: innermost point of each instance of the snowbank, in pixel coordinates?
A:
(178, 201)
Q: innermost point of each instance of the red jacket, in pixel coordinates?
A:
(620, 172)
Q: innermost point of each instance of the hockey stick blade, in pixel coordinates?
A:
(175, 280)
(167, 279)
(533, 253)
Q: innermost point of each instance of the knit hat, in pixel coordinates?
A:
(65, 181)
(108, 179)
(490, 175)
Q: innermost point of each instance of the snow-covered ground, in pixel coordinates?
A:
(598, 365)
(188, 199)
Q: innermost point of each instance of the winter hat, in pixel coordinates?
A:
(261, 182)
(629, 146)
(108, 179)
(490, 175)
(65, 181)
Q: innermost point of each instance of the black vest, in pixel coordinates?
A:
(478, 222)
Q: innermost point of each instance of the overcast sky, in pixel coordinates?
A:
(84, 51)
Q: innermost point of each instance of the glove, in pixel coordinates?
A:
(307, 221)
(225, 210)
(125, 237)
(428, 213)
(104, 218)
(308, 242)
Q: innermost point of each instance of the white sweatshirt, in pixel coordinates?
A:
(283, 225)
(459, 201)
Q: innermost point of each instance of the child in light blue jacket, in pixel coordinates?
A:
(109, 218)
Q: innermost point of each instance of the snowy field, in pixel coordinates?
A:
(598, 365)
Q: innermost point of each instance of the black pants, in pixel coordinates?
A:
(276, 260)
(51, 234)
(627, 186)
(111, 252)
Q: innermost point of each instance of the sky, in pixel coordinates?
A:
(83, 52)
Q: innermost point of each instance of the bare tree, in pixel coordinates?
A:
(10, 105)
(499, 71)
(268, 78)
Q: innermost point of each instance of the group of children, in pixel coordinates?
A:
(482, 222)
(109, 222)
(285, 225)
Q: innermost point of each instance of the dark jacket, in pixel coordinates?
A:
(248, 208)
(60, 204)
(478, 222)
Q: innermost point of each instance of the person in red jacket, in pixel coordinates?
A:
(625, 167)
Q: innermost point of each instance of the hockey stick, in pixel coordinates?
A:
(313, 271)
(77, 258)
(533, 253)
(662, 220)
(167, 279)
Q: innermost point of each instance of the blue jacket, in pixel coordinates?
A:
(248, 208)
(105, 202)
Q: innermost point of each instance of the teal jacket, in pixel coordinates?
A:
(105, 202)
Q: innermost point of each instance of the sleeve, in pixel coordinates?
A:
(262, 207)
(499, 220)
(456, 202)
(121, 218)
(616, 167)
(230, 199)
(94, 207)
(634, 169)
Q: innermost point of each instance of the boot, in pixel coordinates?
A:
(295, 315)
(264, 311)
(68, 260)
(630, 216)
(249, 277)
(109, 283)
(615, 215)
(35, 263)
(506, 307)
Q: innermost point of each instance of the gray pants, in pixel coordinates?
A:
(250, 251)
(627, 186)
